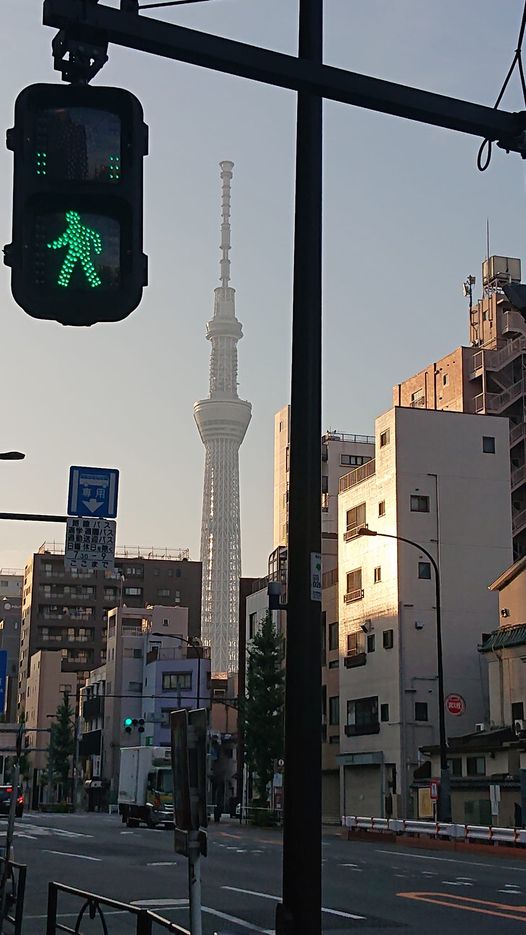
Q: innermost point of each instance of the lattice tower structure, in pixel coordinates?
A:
(222, 420)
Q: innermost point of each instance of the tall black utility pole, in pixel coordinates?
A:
(300, 912)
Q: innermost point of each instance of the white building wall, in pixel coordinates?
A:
(437, 455)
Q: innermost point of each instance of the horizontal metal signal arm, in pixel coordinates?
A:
(88, 20)
(35, 517)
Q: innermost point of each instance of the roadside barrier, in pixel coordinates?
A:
(515, 837)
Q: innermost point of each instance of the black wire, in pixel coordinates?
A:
(482, 164)
(149, 6)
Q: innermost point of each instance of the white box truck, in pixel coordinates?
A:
(146, 786)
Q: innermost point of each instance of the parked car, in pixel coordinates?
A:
(5, 798)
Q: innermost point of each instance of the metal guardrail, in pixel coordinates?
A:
(511, 836)
(16, 888)
(92, 908)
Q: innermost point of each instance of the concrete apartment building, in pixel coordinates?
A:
(505, 651)
(68, 610)
(149, 671)
(340, 452)
(486, 377)
(440, 479)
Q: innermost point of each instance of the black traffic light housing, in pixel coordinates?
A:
(76, 256)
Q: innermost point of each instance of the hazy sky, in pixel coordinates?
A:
(404, 224)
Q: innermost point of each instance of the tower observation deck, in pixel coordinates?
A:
(222, 420)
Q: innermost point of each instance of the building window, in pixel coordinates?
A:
(134, 571)
(385, 438)
(334, 710)
(377, 574)
(334, 664)
(381, 508)
(354, 520)
(133, 592)
(371, 643)
(354, 460)
(362, 717)
(517, 711)
(324, 483)
(176, 680)
(424, 570)
(384, 712)
(476, 765)
(333, 636)
(445, 379)
(388, 639)
(455, 766)
(421, 711)
(163, 592)
(418, 399)
(177, 597)
(334, 738)
(135, 686)
(419, 504)
(354, 586)
(488, 444)
(251, 626)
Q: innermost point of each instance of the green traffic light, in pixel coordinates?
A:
(128, 721)
(79, 240)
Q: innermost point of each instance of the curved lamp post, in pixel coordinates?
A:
(444, 795)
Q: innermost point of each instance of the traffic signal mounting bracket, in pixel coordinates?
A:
(85, 58)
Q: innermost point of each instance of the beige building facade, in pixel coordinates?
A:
(340, 452)
(440, 479)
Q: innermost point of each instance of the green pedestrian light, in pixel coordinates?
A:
(77, 203)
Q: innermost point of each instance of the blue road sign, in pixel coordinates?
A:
(93, 492)
(3, 679)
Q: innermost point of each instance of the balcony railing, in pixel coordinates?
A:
(359, 730)
(517, 433)
(345, 437)
(518, 522)
(351, 596)
(353, 659)
(357, 476)
(496, 402)
(518, 476)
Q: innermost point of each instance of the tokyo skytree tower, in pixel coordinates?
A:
(222, 420)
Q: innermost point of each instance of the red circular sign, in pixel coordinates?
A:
(455, 704)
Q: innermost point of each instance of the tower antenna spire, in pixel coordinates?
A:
(226, 178)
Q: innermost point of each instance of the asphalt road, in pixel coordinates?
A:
(369, 887)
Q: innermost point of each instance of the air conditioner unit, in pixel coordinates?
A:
(519, 726)
(480, 728)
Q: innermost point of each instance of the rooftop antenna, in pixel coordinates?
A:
(226, 179)
(487, 238)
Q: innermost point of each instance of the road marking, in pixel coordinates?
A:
(452, 860)
(162, 863)
(456, 883)
(80, 856)
(508, 892)
(20, 834)
(517, 913)
(236, 921)
(159, 902)
(333, 912)
(127, 832)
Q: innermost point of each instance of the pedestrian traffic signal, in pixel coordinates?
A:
(76, 255)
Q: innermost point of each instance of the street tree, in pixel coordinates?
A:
(264, 705)
(61, 743)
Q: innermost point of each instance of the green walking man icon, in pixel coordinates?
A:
(79, 240)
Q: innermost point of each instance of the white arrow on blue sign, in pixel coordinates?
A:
(93, 492)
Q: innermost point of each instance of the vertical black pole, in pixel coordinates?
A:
(444, 792)
(300, 912)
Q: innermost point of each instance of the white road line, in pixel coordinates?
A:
(162, 863)
(333, 912)
(452, 860)
(510, 892)
(80, 856)
(236, 921)
(455, 883)
(159, 903)
(20, 834)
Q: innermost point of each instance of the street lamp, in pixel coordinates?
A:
(12, 456)
(195, 643)
(444, 797)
